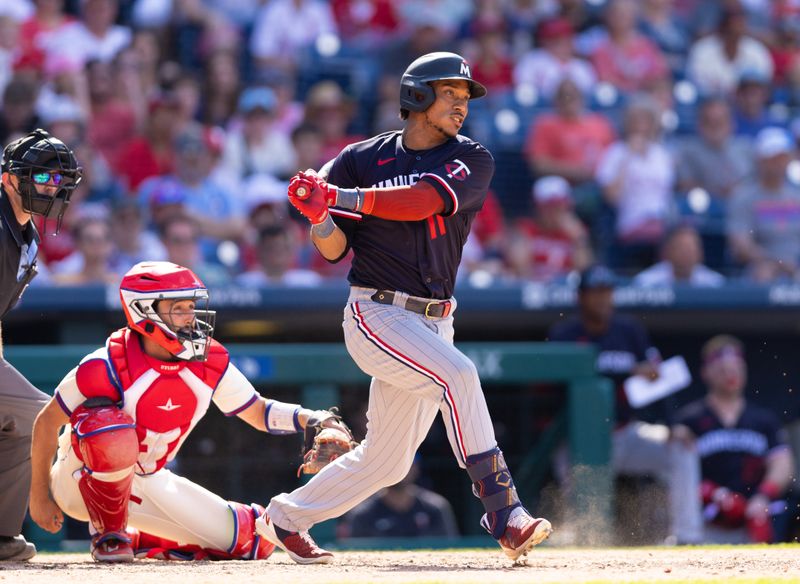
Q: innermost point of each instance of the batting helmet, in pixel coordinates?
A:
(39, 158)
(416, 93)
(145, 285)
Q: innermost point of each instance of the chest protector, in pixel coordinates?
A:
(165, 398)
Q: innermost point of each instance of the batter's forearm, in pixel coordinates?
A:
(330, 245)
(406, 203)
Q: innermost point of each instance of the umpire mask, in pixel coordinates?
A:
(41, 159)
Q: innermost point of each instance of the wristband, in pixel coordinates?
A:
(281, 418)
(349, 199)
(770, 490)
(323, 230)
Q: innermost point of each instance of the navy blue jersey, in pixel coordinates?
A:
(430, 515)
(420, 258)
(733, 457)
(619, 349)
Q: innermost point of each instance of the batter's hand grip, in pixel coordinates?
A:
(303, 189)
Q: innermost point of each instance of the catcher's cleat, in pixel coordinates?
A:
(112, 547)
(299, 545)
(523, 532)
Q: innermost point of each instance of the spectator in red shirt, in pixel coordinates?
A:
(627, 59)
(48, 18)
(552, 243)
(366, 23)
(152, 153)
(570, 141)
(113, 119)
(490, 56)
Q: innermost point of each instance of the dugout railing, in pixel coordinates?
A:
(319, 370)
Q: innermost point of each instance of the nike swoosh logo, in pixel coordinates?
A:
(383, 161)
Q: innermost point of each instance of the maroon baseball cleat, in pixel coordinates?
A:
(523, 532)
(299, 545)
(112, 547)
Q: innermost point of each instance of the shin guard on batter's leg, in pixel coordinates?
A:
(493, 485)
(506, 519)
(105, 440)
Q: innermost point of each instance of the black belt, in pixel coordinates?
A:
(429, 308)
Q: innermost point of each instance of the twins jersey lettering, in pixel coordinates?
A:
(735, 456)
(420, 258)
(166, 400)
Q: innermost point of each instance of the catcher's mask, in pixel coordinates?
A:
(416, 92)
(41, 159)
(145, 285)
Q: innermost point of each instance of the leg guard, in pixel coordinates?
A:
(493, 485)
(247, 544)
(149, 546)
(105, 440)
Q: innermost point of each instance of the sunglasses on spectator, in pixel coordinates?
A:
(43, 178)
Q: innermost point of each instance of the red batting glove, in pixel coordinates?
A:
(329, 191)
(301, 185)
(314, 208)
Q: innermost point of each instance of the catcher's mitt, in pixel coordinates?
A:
(324, 444)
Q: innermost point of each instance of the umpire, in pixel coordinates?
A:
(39, 173)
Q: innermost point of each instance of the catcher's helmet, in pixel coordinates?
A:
(39, 158)
(416, 93)
(148, 282)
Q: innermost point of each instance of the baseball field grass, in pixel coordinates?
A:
(546, 565)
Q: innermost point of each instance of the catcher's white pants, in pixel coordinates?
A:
(162, 504)
(416, 373)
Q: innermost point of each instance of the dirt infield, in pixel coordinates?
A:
(546, 565)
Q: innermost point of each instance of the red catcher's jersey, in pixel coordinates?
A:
(165, 398)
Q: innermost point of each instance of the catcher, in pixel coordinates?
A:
(130, 405)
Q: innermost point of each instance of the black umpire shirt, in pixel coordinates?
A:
(18, 266)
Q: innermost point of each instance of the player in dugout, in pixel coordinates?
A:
(128, 407)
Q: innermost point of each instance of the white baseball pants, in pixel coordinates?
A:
(163, 504)
(416, 373)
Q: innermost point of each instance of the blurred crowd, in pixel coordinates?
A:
(656, 136)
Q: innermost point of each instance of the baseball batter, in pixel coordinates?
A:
(130, 405)
(404, 202)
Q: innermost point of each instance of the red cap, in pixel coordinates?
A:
(555, 28)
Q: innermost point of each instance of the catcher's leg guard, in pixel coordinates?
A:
(493, 485)
(247, 544)
(105, 440)
(149, 546)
